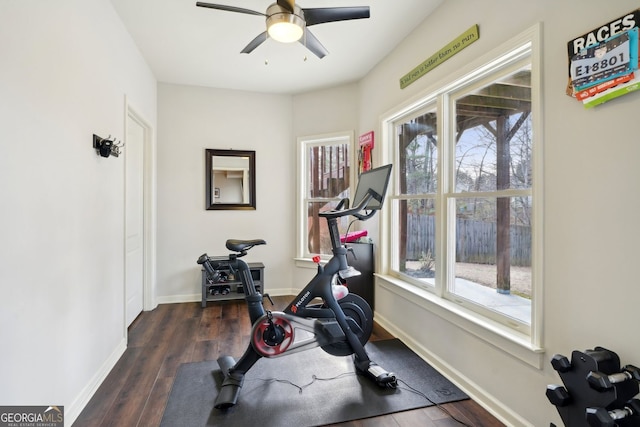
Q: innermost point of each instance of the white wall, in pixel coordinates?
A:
(65, 69)
(192, 119)
(325, 111)
(591, 201)
(316, 113)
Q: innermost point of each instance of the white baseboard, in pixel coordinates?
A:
(484, 399)
(176, 299)
(79, 403)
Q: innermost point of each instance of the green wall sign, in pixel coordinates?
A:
(463, 40)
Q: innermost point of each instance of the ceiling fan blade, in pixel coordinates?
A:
(255, 43)
(313, 44)
(229, 8)
(321, 15)
(286, 4)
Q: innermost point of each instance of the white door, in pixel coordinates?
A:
(134, 219)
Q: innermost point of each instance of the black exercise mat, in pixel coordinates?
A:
(309, 388)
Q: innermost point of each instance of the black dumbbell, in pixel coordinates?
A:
(560, 363)
(600, 381)
(558, 395)
(600, 417)
(633, 370)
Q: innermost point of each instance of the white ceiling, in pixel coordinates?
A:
(190, 45)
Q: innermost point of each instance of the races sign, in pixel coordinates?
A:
(603, 63)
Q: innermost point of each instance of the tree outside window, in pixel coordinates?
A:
(326, 180)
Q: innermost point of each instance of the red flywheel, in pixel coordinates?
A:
(272, 337)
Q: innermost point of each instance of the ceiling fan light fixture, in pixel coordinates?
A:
(284, 26)
(285, 32)
(287, 22)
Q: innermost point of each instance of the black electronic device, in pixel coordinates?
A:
(376, 180)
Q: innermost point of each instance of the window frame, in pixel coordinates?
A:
(450, 196)
(303, 174)
(497, 62)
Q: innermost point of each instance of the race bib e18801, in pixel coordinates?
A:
(604, 61)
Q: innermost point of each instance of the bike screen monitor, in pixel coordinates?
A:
(377, 180)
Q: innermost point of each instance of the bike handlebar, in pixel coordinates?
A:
(339, 212)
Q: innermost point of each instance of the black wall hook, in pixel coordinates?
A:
(106, 147)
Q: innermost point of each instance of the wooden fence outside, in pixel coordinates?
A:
(475, 241)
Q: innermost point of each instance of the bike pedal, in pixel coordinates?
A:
(382, 377)
(387, 380)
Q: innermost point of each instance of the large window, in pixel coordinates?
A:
(325, 169)
(463, 218)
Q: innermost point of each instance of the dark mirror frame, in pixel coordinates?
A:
(210, 199)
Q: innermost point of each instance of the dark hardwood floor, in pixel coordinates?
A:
(136, 391)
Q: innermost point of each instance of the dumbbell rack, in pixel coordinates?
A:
(596, 390)
(225, 286)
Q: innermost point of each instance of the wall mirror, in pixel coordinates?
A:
(230, 179)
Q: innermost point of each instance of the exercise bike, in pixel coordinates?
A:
(340, 325)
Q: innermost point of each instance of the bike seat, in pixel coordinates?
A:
(243, 245)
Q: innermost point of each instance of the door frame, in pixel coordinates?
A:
(149, 212)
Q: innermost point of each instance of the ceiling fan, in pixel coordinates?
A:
(287, 22)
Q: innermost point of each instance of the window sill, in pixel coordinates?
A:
(500, 336)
